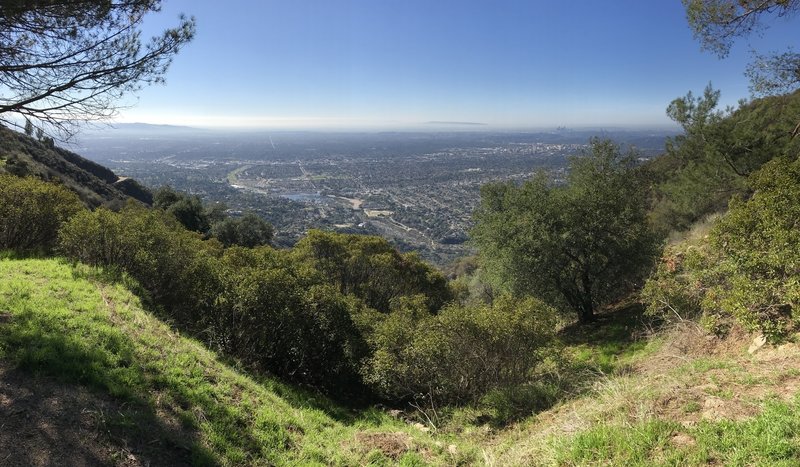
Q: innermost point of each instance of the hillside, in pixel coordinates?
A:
(89, 378)
(683, 398)
(617, 308)
(697, 365)
(94, 183)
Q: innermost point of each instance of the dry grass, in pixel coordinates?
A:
(696, 233)
(692, 379)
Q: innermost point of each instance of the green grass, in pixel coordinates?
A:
(68, 323)
(691, 407)
(703, 365)
(771, 438)
(616, 445)
(75, 324)
(610, 345)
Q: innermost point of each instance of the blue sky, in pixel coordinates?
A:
(401, 63)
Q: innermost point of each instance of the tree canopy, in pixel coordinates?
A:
(578, 244)
(372, 269)
(718, 150)
(63, 61)
(248, 231)
(188, 209)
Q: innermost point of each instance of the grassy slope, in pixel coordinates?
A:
(676, 397)
(67, 323)
(680, 398)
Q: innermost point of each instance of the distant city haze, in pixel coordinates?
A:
(424, 65)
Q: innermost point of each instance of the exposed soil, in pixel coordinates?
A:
(733, 391)
(393, 445)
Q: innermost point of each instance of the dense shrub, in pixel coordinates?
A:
(32, 211)
(259, 305)
(175, 266)
(462, 353)
(372, 269)
(760, 241)
(187, 209)
(748, 267)
(305, 315)
(249, 230)
(280, 316)
(677, 289)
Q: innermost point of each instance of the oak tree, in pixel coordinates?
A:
(579, 244)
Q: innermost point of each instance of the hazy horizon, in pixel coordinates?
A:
(422, 127)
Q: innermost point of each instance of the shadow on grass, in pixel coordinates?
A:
(619, 326)
(164, 406)
(18, 255)
(606, 345)
(594, 351)
(64, 423)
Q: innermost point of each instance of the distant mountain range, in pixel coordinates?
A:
(139, 127)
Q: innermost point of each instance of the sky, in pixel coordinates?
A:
(396, 64)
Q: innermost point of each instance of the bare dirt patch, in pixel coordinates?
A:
(682, 439)
(392, 445)
(736, 382)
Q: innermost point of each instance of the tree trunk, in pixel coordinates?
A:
(581, 301)
(586, 309)
(586, 312)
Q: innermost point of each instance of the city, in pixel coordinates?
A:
(416, 189)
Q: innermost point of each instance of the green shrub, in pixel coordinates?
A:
(675, 291)
(187, 209)
(259, 305)
(97, 238)
(248, 230)
(372, 269)
(175, 266)
(462, 353)
(32, 211)
(759, 240)
(747, 268)
(279, 316)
